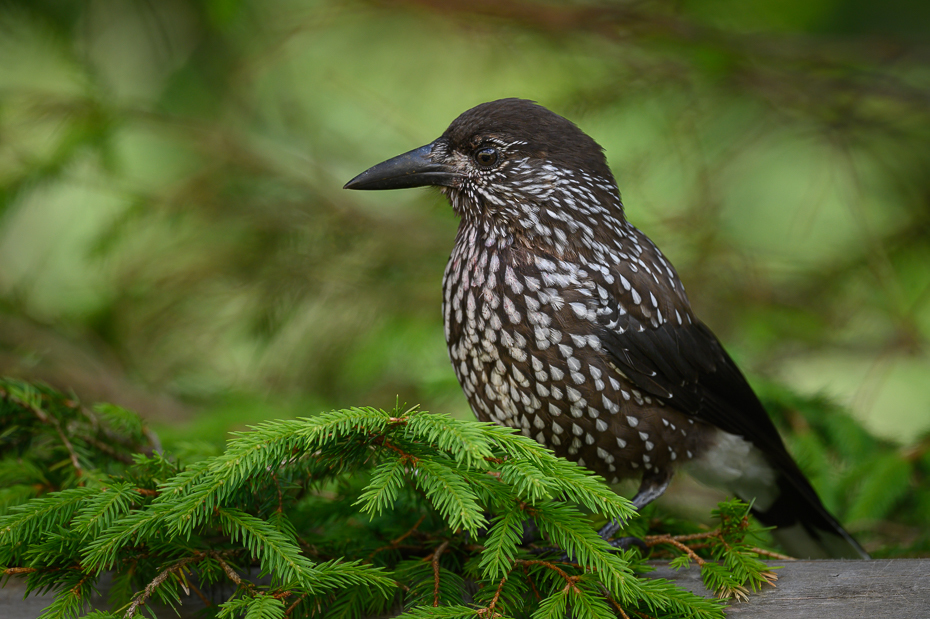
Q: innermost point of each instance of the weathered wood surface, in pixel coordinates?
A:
(880, 588)
(897, 589)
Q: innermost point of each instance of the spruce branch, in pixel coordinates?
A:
(653, 540)
(360, 511)
(45, 418)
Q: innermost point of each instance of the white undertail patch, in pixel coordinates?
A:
(733, 463)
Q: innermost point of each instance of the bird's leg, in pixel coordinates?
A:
(651, 488)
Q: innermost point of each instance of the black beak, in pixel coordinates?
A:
(413, 169)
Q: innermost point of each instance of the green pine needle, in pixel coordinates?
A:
(354, 512)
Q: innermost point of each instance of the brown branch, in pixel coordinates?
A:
(230, 572)
(532, 584)
(125, 459)
(76, 589)
(569, 580)
(409, 532)
(677, 541)
(772, 554)
(395, 543)
(497, 594)
(203, 598)
(18, 571)
(615, 604)
(570, 583)
(739, 592)
(51, 420)
(290, 609)
(654, 540)
(405, 457)
(157, 581)
(435, 559)
(78, 470)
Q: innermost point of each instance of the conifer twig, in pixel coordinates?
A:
(531, 583)
(523, 563)
(654, 540)
(125, 459)
(615, 604)
(497, 594)
(405, 457)
(435, 560)
(230, 572)
(772, 554)
(290, 609)
(157, 581)
(203, 598)
(569, 580)
(395, 543)
(50, 420)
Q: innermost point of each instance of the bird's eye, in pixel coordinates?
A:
(486, 157)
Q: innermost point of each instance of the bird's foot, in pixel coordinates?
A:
(621, 543)
(610, 529)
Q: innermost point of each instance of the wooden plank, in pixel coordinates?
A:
(898, 588)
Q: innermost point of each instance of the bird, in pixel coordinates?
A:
(567, 323)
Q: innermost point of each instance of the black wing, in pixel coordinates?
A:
(645, 323)
(686, 366)
(646, 326)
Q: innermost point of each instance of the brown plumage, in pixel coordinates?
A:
(565, 321)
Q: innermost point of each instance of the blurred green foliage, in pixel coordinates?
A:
(174, 237)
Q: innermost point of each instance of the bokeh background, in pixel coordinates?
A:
(174, 236)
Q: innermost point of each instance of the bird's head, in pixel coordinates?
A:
(516, 169)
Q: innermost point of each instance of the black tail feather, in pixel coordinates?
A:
(805, 528)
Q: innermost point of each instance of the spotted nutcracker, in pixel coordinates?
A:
(566, 322)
